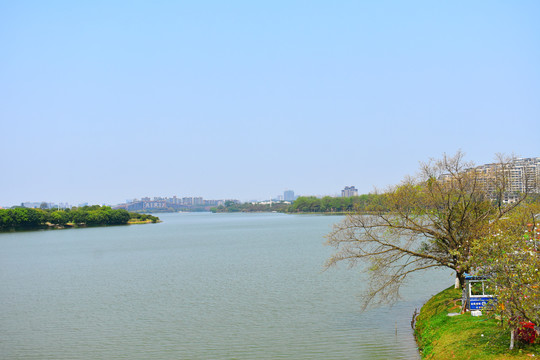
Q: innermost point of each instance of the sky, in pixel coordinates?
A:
(103, 101)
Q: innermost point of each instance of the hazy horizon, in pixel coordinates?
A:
(106, 101)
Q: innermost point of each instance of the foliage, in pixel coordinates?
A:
(310, 204)
(21, 218)
(59, 217)
(431, 220)
(143, 217)
(509, 254)
(232, 206)
(26, 218)
(362, 203)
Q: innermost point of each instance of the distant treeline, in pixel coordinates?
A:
(26, 218)
(327, 204)
(312, 204)
(232, 206)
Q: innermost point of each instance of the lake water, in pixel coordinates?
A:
(197, 286)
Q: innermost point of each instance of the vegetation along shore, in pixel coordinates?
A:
(28, 219)
(481, 222)
(443, 334)
(312, 204)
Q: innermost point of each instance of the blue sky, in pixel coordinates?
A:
(103, 101)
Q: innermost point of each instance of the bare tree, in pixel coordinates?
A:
(431, 220)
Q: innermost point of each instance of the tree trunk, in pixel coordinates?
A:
(512, 332)
(460, 282)
(460, 275)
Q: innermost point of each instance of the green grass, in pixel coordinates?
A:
(137, 221)
(440, 336)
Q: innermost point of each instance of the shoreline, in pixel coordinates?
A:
(440, 336)
(72, 226)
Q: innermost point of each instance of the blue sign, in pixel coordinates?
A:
(478, 302)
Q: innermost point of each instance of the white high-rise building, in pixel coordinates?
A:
(349, 191)
(519, 176)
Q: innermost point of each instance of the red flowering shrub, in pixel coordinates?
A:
(526, 332)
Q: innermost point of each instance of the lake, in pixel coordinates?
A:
(196, 286)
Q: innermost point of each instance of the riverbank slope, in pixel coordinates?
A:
(440, 336)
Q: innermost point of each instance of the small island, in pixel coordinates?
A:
(21, 218)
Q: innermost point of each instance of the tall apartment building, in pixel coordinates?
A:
(520, 176)
(349, 191)
(288, 195)
(525, 175)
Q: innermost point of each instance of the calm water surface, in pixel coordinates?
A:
(197, 286)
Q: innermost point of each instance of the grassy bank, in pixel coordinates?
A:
(440, 336)
(137, 221)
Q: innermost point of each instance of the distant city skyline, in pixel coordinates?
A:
(522, 165)
(288, 195)
(105, 101)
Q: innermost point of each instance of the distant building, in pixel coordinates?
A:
(31, 205)
(174, 203)
(213, 202)
(521, 175)
(155, 204)
(349, 191)
(288, 195)
(45, 205)
(134, 206)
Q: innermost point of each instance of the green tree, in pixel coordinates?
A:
(24, 218)
(79, 216)
(326, 204)
(6, 219)
(59, 217)
(336, 205)
(28, 217)
(300, 204)
(119, 217)
(315, 205)
(97, 217)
